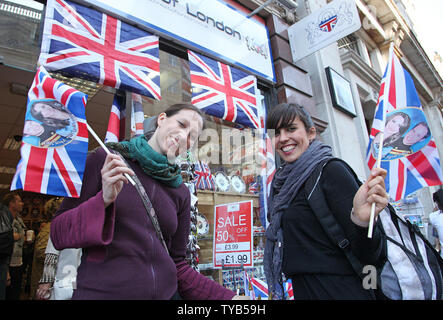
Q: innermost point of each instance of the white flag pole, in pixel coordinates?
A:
(107, 150)
(382, 134)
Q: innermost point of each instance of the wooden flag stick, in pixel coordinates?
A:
(380, 151)
(107, 150)
(382, 136)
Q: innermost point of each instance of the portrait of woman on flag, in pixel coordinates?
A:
(49, 124)
(397, 123)
(414, 137)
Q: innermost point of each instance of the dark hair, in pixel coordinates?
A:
(50, 122)
(283, 114)
(426, 126)
(437, 196)
(51, 206)
(176, 108)
(9, 197)
(403, 128)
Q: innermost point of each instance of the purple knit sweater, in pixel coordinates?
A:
(122, 256)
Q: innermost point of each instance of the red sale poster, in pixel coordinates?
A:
(233, 234)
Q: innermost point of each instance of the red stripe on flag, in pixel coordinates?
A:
(48, 88)
(66, 55)
(65, 96)
(64, 173)
(82, 130)
(371, 161)
(114, 124)
(150, 88)
(74, 14)
(35, 169)
(392, 88)
(145, 45)
(422, 165)
(374, 132)
(401, 180)
(194, 101)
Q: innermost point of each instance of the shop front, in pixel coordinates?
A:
(210, 40)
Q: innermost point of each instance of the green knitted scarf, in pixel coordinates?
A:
(153, 163)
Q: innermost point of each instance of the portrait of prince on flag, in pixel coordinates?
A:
(406, 132)
(48, 124)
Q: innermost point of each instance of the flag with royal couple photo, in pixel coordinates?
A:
(401, 137)
(55, 139)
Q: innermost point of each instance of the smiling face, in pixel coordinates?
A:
(177, 133)
(291, 141)
(394, 125)
(416, 134)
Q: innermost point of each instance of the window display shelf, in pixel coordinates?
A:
(211, 198)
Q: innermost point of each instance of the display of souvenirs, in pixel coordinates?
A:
(203, 178)
(202, 225)
(222, 181)
(238, 185)
(253, 187)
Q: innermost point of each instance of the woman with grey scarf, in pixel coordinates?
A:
(296, 246)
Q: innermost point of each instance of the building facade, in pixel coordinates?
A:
(360, 58)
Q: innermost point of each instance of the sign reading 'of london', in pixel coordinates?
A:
(211, 27)
(324, 26)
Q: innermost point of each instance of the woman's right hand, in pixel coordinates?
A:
(113, 177)
(43, 291)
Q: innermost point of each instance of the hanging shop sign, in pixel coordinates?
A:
(211, 27)
(322, 27)
(233, 235)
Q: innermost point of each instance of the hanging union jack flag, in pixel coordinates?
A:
(86, 43)
(223, 91)
(55, 139)
(400, 136)
(117, 119)
(137, 115)
(203, 177)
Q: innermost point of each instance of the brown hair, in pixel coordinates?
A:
(9, 197)
(283, 114)
(174, 109)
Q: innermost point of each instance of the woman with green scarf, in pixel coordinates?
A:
(122, 256)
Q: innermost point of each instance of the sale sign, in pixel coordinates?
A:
(233, 241)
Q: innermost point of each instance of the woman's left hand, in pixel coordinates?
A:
(373, 190)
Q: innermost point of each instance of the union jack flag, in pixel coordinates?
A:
(255, 288)
(268, 170)
(54, 166)
(253, 187)
(411, 162)
(137, 116)
(289, 290)
(223, 91)
(328, 24)
(117, 119)
(86, 43)
(204, 179)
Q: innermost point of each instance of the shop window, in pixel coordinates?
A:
(230, 152)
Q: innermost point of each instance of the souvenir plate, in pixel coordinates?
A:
(202, 225)
(238, 185)
(221, 181)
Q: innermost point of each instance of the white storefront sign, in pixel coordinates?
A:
(209, 26)
(322, 27)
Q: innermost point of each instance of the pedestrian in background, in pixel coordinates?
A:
(436, 217)
(6, 247)
(15, 205)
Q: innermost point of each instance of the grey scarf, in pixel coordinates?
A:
(285, 186)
